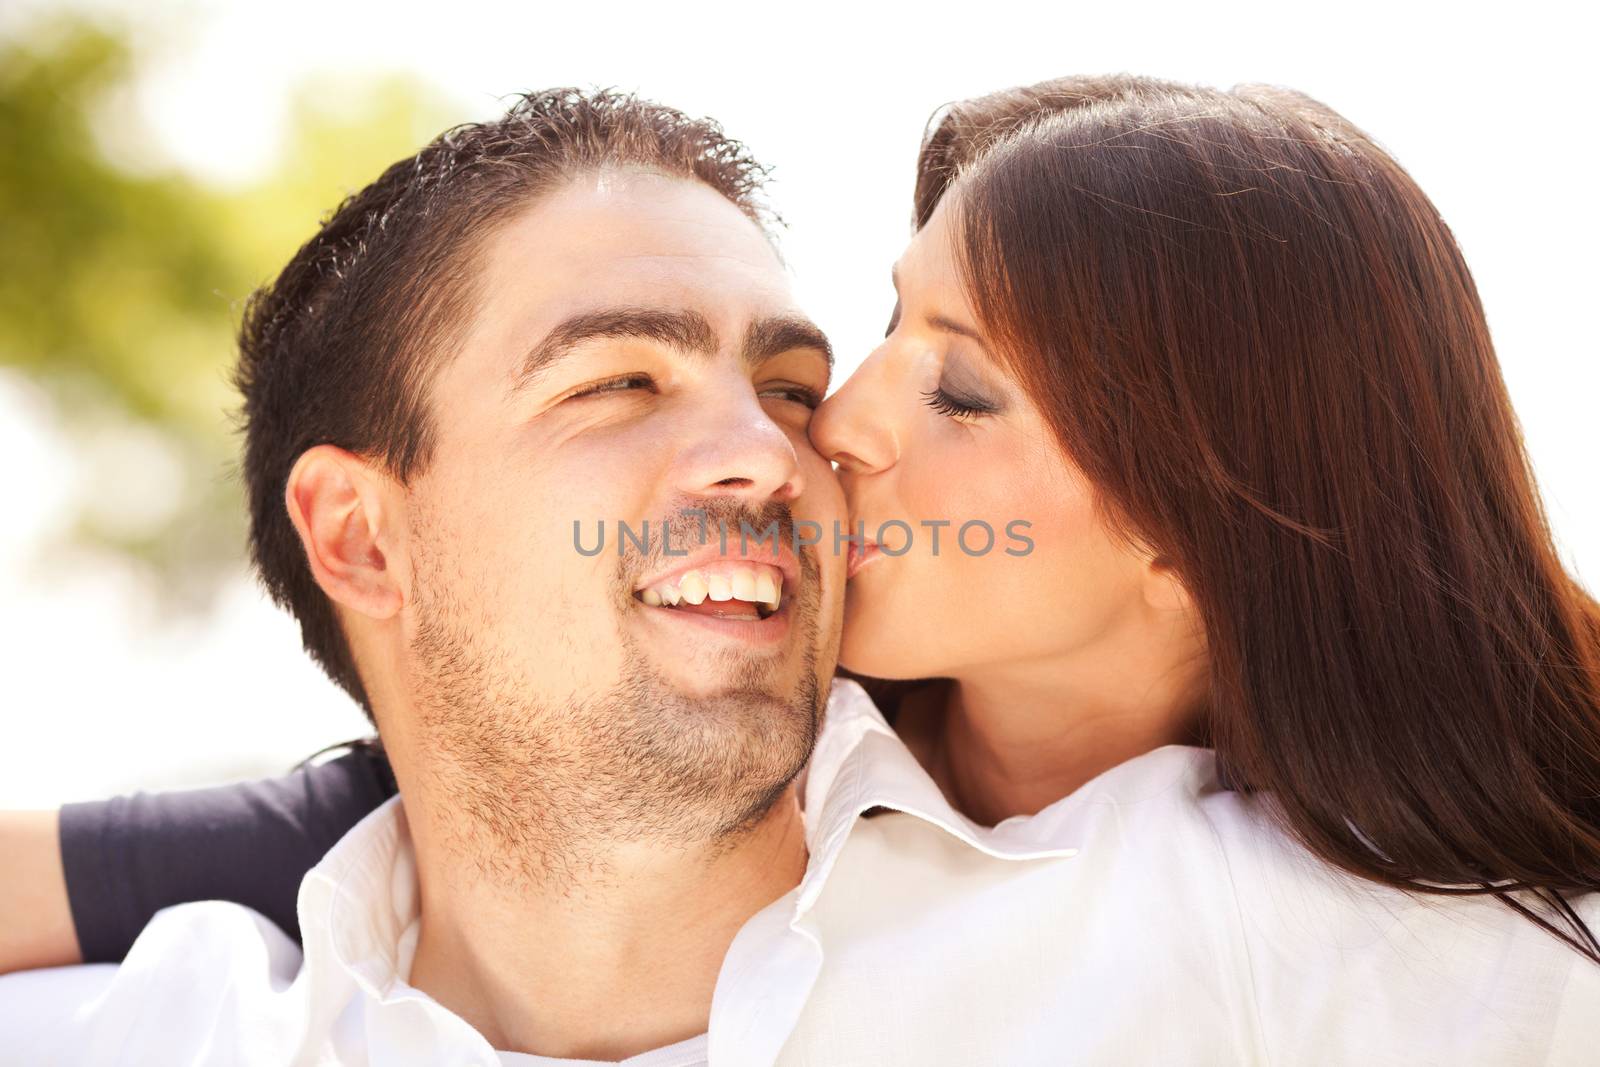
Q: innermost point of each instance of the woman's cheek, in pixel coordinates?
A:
(900, 620)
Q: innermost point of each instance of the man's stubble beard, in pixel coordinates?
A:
(536, 788)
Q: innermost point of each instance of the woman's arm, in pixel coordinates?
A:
(35, 920)
(117, 862)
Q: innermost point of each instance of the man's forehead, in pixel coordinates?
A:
(630, 229)
(631, 238)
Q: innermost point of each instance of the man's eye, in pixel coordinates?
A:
(800, 394)
(615, 385)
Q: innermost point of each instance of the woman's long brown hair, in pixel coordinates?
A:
(1260, 342)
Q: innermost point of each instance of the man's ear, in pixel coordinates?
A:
(338, 505)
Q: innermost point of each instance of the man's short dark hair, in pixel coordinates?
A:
(342, 347)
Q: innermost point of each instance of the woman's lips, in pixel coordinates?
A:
(859, 556)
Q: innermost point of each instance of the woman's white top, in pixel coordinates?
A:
(1182, 928)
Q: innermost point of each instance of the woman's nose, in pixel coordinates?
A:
(857, 427)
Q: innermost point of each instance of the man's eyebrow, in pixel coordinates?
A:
(777, 334)
(683, 329)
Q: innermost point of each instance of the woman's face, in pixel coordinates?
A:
(930, 430)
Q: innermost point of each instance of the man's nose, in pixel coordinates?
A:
(735, 449)
(856, 427)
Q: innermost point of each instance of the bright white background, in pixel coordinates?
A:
(1491, 109)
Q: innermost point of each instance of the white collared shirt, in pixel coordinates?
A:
(1148, 918)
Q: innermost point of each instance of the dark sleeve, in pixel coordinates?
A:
(129, 857)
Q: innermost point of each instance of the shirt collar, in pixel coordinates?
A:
(362, 895)
(359, 910)
(860, 763)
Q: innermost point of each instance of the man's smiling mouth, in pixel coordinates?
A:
(729, 589)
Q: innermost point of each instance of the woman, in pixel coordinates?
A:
(1226, 358)
(1225, 338)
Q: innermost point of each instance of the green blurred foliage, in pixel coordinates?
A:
(120, 290)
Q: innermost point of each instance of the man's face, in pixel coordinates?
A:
(634, 352)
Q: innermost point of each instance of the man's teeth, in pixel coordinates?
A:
(693, 588)
(754, 585)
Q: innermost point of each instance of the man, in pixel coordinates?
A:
(569, 314)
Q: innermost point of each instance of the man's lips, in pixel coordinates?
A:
(747, 630)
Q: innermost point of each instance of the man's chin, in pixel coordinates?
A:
(728, 745)
(712, 670)
(727, 691)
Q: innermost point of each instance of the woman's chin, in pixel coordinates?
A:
(882, 638)
(889, 660)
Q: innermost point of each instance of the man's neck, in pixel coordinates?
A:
(618, 958)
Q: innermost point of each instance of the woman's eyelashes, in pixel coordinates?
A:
(956, 405)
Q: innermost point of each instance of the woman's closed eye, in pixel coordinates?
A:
(956, 405)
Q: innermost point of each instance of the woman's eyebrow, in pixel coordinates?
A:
(939, 322)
